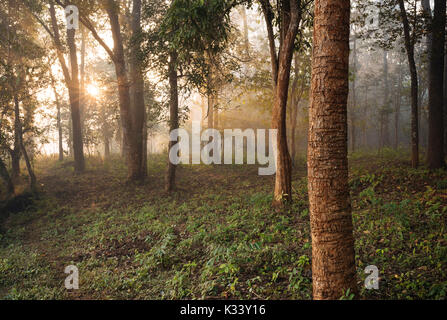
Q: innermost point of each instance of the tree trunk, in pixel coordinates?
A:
(22, 145)
(131, 147)
(333, 267)
(173, 117)
(74, 94)
(138, 109)
(290, 16)
(58, 119)
(409, 47)
(397, 108)
(5, 176)
(386, 102)
(354, 102)
(72, 83)
(294, 110)
(435, 150)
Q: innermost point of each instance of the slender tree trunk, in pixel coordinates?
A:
(386, 103)
(354, 102)
(131, 147)
(435, 150)
(5, 176)
(173, 117)
(138, 108)
(82, 74)
(72, 83)
(397, 108)
(294, 110)
(291, 16)
(22, 145)
(58, 119)
(74, 94)
(409, 47)
(16, 152)
(333, 267)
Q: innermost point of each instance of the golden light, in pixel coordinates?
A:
(92, 90)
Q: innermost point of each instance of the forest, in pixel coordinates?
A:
(223, 150)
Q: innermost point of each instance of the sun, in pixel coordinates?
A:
(92, 90)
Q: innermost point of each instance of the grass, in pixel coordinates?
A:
(217, 236)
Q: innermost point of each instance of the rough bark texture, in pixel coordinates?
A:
(333, 267)
(435, 150)
(173, 117)
(409, 47)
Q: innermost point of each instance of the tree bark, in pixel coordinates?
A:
(281, 64)
(22, 145)
(132, 148)
(409, 47)
(435, 150)
(397, 108)
(138, 109)
(173, 116)
(333, 267)
(5, 176)
(72, 83)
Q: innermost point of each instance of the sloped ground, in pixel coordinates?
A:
(216, 236)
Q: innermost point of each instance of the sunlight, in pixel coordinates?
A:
(92, 89)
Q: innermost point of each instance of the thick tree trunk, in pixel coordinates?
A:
(333, 267)
(435, 150)
(409, 47)
(173, 117)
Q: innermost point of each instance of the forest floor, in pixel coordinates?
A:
(216, 236)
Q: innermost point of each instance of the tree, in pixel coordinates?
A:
(410, 40)
(72, 83)
(333, 267)
(435, 150)
(189, 34)
(289, 19)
